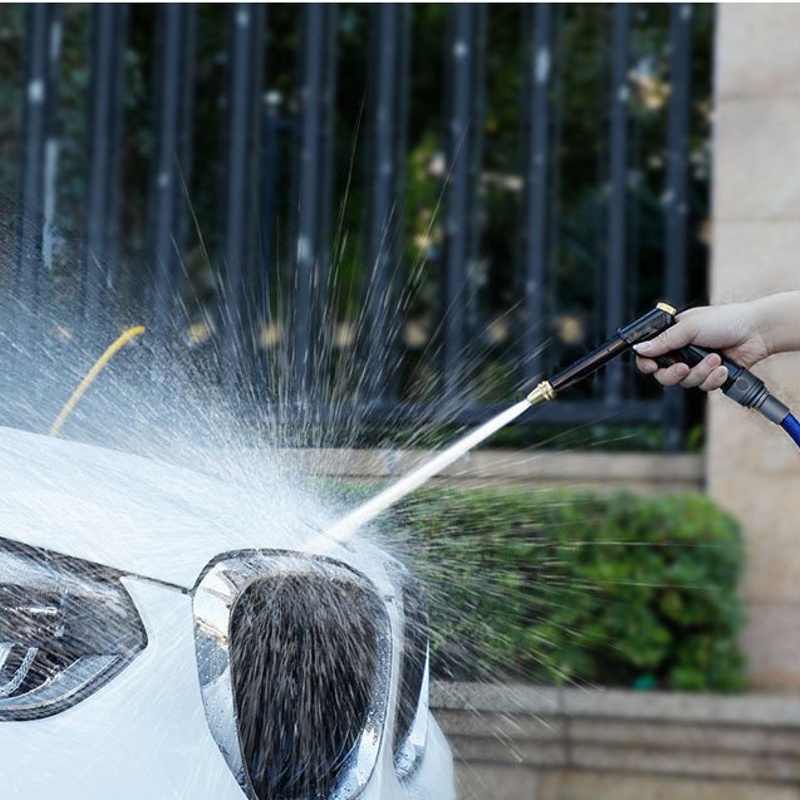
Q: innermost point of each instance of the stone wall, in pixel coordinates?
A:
(645, 473)
(524, 743)
(753, 470)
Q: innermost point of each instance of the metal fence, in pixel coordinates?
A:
(284, 152)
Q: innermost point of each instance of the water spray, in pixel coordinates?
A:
(741, 386)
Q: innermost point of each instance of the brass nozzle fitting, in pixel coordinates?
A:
(542, 393)
(667, 307)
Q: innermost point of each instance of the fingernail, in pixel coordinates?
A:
(643, 347)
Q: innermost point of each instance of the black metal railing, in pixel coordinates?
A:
(250, 126)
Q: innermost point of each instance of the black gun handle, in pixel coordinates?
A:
(742, 386)
(693, 355)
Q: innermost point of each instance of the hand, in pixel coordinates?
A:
(734, 329)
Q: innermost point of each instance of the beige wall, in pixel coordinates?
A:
(752, 468)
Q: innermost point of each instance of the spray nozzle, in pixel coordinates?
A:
(645, 327)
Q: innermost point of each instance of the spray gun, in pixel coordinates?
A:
(741, 385)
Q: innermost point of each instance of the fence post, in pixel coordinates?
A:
(676, 206)
(98, 301)
(464, 118)
(38, 156)
(387, 112)
(171, 162)
(535, 221)
(272, 172)
(311, 259)
(241, 284)
(618, 206)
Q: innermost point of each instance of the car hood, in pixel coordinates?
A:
(146, 517)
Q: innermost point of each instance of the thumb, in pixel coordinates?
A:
(673, 338)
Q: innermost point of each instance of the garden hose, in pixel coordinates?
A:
(116, 345)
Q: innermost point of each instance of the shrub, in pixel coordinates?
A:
(561, 587)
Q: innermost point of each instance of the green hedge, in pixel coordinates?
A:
(564, 587)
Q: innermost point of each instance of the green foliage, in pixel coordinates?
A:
(564, 587)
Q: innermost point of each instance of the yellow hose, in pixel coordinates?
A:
(92, 374)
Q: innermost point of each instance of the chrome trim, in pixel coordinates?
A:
(214, 598)
(409, 753)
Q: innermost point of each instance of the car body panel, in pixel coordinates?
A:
(146, 733)
(148, 518)
(143, 734)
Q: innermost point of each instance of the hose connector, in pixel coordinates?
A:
(542, 393)
(742, 386)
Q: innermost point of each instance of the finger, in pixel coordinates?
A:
(700, 372)
(646, 365)
(671, 376)
(683, 332)
(716, 378)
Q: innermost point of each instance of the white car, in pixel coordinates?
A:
(166, 634)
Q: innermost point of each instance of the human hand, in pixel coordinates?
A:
(734, 330)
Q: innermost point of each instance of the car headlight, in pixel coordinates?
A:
(294, 656)
(411, 717)
(66, 627)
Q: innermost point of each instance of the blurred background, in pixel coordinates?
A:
(390, 221)
(459, 198)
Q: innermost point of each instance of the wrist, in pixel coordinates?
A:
(777, 321)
